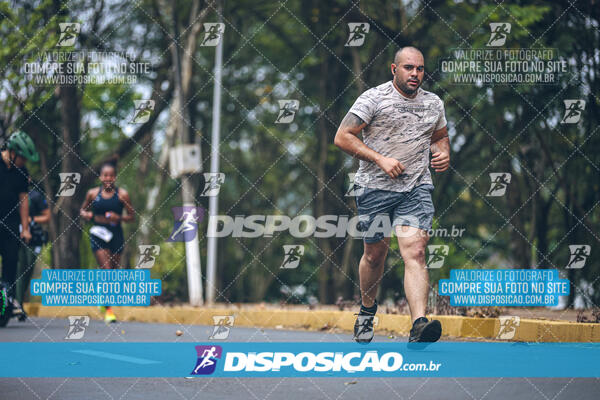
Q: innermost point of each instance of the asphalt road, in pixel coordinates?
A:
(48, 330)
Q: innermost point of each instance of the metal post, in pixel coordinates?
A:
(213, 202)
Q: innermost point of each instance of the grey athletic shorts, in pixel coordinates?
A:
(381, 210)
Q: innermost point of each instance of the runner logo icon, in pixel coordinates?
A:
(68, 183)
(222, 326)
(186, 223)
(142, 112)
(287, 111)
(437, 255)
(77, 325)
(573, 109)
(358, 33)
(500, 31)
(355, 190)
(148, 254)
(212, 183)
(68, 33)
(207, 359)
(292, 254)
(213, 33)
(500, 181)
(579, 254)
(508, 327)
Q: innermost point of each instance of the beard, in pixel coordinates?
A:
(405, 88)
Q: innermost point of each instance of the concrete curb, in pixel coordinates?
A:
(528, 330)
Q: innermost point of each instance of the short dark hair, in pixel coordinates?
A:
(110, 163)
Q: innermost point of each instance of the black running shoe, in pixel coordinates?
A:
(363, 328)
(425, 331)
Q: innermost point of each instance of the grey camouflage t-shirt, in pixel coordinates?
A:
(401, 128)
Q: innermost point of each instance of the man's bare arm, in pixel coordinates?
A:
(346, 138)
(24, 215)
(440, 149)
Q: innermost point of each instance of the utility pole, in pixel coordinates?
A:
(192, 249)
(213, 201)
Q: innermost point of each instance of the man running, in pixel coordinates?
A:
(14, 206)
(401, 125)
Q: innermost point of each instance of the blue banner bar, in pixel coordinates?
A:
(504, 287)
(222, 359)
(95, 287)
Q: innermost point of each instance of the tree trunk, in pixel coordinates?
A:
(66, 247)
(325, 271)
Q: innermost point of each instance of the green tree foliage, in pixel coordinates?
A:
(295, 50)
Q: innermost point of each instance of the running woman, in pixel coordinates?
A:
(104, 206)
(401, 124)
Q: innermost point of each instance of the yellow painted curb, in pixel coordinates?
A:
(528, 330)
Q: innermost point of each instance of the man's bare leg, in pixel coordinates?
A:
(412, 242)
(370, 270)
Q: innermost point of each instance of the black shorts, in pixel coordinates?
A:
(116, 244)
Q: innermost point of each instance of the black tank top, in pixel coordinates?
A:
(100, 205)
